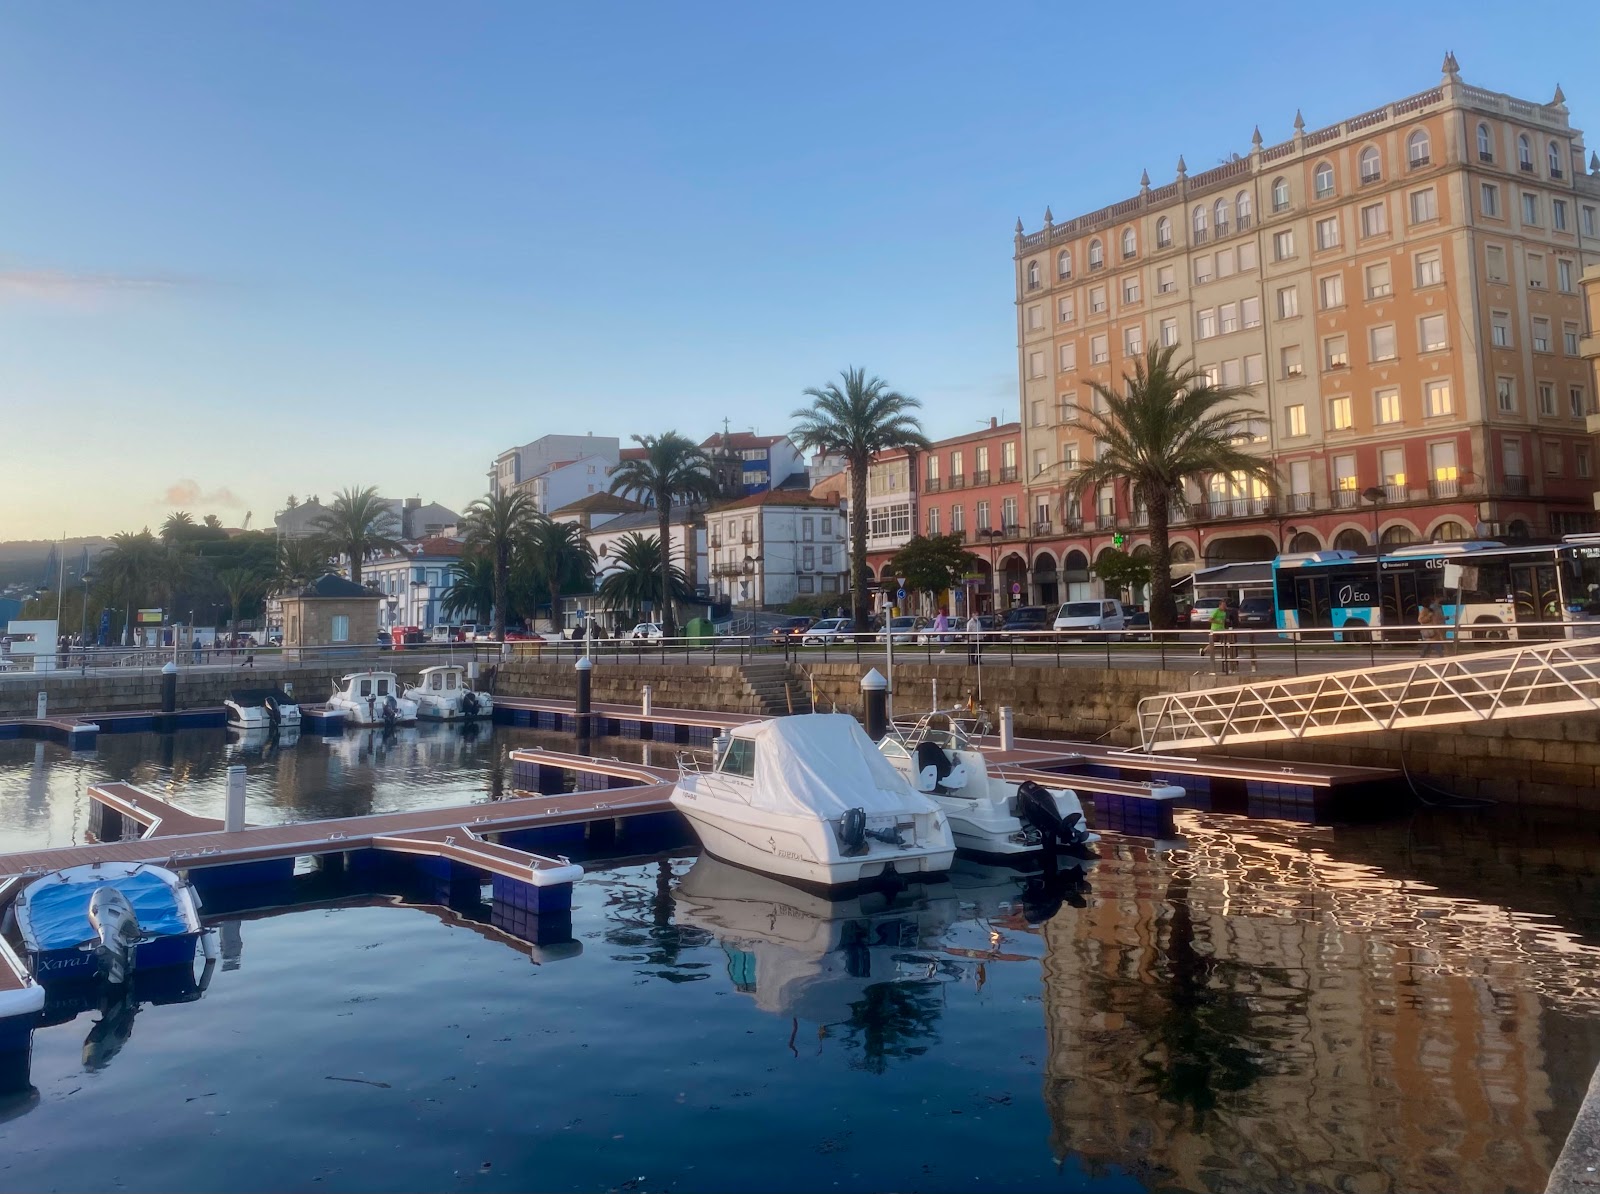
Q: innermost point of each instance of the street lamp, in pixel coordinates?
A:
(992, 534)
(749, 569)
(1377, 495)
(83, 619)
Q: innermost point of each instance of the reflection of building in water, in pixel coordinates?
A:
(1253, 1013)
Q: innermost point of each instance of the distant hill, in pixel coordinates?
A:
(22, 561)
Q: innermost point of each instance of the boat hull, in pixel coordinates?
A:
(83, 962)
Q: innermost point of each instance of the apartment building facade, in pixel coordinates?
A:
(1399, 292)
(770, 548)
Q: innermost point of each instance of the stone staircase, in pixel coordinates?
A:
(778, 690)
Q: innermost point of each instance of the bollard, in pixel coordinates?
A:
(581, 710)
(233, 813)
(646, 699)
(1008, 733)
(169, 696)
(875, 698)
(44, 703)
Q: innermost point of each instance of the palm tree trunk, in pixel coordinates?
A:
(1163, 610)
(502, 565)
(669, 617)
(858, 540)
(355, 563)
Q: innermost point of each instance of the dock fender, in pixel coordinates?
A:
(555, 876)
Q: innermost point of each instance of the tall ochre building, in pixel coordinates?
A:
(1401, 292)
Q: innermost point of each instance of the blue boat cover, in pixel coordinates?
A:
(59, 912)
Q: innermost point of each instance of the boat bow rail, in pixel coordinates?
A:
(1534, 681)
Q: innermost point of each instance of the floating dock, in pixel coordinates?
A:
(81, 731)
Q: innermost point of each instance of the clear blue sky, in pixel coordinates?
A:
(249, 249)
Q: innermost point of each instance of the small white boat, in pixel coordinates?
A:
(988, 813)
(811, 798)
(261, 708)
(372, 699)
(442, 693)
(107, 920)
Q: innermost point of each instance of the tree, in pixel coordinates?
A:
(1121, 572)
(672, 469)
(497, 527)
(1166, 425)
(471, 589)
(299, 562)
(291, 502)
(636, 578)
(858, 421)
(128, 566)
(212, 521)
(933, 563)
(357, 524)
(560, 560)
(177, 526)
(242, 585)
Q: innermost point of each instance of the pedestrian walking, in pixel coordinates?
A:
(1430, 619)
(194, 649)
(974, 631)
(941, 626)
(1239, 644)
(1219, 639)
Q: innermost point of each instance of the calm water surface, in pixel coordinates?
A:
(1405, 1007)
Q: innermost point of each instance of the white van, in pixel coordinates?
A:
(1104, 614)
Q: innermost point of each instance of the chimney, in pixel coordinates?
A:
(993, 422)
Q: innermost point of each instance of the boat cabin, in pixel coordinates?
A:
(372, 684)
(443, 680)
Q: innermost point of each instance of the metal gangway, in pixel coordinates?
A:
(1545, 680)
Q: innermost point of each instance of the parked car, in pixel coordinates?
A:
(1257, 613)
(647, 632)
(904, 629)
(1105, 614)
(829, 632)
(790, 629)
(1138, 627)
(1200, 612)
(1026, 619)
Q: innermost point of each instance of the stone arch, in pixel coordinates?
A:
(1046, 580)
(1013, 571)
(1351, 539)
(1398, 533)
(1305, 541)
(1240, 548)
(1181, 551)
(1074, 576)
(1448, 529)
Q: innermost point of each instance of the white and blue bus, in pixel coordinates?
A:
(1502, 591)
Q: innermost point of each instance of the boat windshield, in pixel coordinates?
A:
(894, 746)
(739, 758)
(942, 730)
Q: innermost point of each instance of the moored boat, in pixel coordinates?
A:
(261, 708)
(444, 693)
(811, 798)
(372, 699)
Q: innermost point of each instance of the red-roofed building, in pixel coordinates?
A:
(764, 461)
(411, 582)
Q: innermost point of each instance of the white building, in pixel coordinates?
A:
(686, 533)
(411, 583)
(772, 547)
(516, 466)
(567, 481)
(411, 519)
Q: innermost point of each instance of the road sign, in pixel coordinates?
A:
(900, 595)
(1015, 588)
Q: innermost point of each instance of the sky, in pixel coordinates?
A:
(249, 250)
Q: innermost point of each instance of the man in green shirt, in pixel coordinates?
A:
(1219, 639)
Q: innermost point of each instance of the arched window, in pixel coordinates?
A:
(1485, 144)
(1064, 263)
(1418, 148)
(1350, 539)
(1199, 224)
(1451, 531)
(1525, 152)
(1305, 541)
(1182, 553)
(1371, 170)
(1163, 233)
(1033, 274)
(1097, 254)
(1219, 216)
(1322, 180)
(1130, 242)
(1241, 208)
(1554, 153)
(1398, 535)
(1280, 194)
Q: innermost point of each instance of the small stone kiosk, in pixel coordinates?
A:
(330, 612)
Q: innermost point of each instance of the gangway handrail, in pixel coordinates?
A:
(1531, 681)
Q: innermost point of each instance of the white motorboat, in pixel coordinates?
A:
(443, 693)
(988, 813)
(261, 708)
(372, 699)
(811, 798)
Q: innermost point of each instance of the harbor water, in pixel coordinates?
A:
(1408, 1005)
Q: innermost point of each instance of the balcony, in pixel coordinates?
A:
(1514, 486)
(1300, 503)
(1042, 528)
(980, 477)
(1346, 499)
(1199, 237)
(958, 481)
(1485, 156)
(746, 539)
(1444, 489)
(1395, 492)
(1420, 161)
(1525, 167)
(1072, 524)
(715, 542)
(931, 485)
(1105, 522)
(1555, 171)
(1008, 473)
(1244, 222)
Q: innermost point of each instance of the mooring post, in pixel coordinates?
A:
(233, 812)
(42, 705)
(875, 697)
(646, 699)
(1008, 731)
(169, 695)
(585, 671)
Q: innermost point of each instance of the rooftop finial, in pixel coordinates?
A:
(1560, 99)
(1594, 163)
(1048, 218)
(1255, 137)
(1451, 66)
(1019, 225)
(1299, 122)
(1182, 168)
(1144, 180)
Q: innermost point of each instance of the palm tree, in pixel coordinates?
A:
(560, 560)
(636, 577)
(858, 421)
(672, 469)
(241, 585)
(498, 527)
(128, 566)
(300, 561)
(1169, 425)
(177, 525)
(357, 524)
(213, 522)
(471, 588)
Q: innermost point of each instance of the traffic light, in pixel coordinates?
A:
(1118, 539)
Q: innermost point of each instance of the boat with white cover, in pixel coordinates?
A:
(261, 708)
(372, 699)
(107, 920)
(988, 813)
(811, 798)
(443, 693)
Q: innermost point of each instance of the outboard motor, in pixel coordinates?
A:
(270, 704)
(1037, 808)
(390, 712)
(853, 832)
(117, 926)
(1043, 894)
(469, 703)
